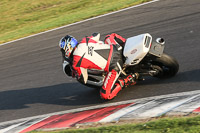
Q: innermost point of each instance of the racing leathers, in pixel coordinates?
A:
(104, 56)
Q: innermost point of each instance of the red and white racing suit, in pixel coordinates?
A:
(107, 57)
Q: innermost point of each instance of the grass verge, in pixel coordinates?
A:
(20, 18)
(163, 125)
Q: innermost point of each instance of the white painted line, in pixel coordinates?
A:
(159, 107)
(141, 109)
(80, 22)
(104, 105)
(115, 116)
(156, 111)
(187, 107)
(176, 105)
(32, 123)
(191, 108)
(5, 130)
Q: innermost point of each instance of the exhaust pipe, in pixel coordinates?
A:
(160, 40)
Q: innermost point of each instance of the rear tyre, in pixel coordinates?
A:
(166, 66)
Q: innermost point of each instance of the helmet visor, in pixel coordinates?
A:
(62, 43)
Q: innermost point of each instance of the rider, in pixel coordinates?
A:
(93, 54)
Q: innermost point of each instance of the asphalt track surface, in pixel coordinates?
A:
(31, 78)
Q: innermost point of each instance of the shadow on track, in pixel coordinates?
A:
(69, 94)
(75, 94)
(187, 76)
(182, 82)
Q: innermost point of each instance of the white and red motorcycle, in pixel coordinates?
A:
(141, 55)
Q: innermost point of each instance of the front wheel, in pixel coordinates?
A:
(166, 66)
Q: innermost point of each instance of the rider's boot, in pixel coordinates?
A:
(129, 80)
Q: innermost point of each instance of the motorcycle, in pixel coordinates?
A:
(141, 55)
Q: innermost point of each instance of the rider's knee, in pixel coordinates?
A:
(106, 96)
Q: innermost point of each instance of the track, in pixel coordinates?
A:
(31, 78)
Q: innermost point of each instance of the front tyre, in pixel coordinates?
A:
(166, 66)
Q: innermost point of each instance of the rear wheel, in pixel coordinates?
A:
(166, 66)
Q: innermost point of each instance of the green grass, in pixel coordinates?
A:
(20, 18)
(164, 125)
